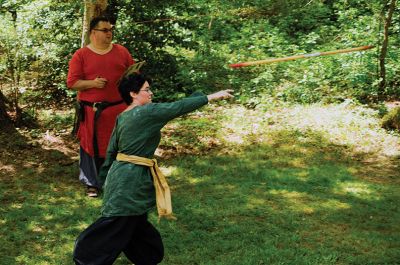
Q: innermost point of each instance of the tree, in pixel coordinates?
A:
(384, 48)
(92, 9)
(36, 38)
(15, 58)
(5, 119)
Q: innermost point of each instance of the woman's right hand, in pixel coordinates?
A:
(223, 94)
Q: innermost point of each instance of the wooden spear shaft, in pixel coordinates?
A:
(290, 58)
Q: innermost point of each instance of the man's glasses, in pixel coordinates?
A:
(105, 30)
(147, 90)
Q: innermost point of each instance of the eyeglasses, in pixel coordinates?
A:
(105, 30)
(147, 90)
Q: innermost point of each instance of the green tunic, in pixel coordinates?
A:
(128, 188)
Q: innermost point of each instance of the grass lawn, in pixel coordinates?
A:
(294, 185)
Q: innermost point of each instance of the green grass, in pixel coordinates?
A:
(273, 205)
(249, 187)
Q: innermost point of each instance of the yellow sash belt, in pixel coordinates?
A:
(163, 194)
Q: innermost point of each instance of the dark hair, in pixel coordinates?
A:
(96, 20)
(131, 83)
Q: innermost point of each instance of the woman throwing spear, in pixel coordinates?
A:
(133, 184)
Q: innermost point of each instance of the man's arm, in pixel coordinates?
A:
(80, 85)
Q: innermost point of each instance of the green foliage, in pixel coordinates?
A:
(56, 120)
(147, 41)
(188, 45)
(38, 46)
(227, 39)
(392, 119)
(54, 28)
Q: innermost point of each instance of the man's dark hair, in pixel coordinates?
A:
(132, 83)
(95, 21)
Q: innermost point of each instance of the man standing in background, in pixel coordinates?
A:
(94, 71)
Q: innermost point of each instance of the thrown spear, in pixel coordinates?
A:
(290, 58)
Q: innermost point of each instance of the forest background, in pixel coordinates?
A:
(188, 45)
(302, 167)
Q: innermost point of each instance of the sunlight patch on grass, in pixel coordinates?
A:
(288, 194)
(255, 202)
(22, 259)
(333, 204)
(306, 203)
(59, 200)
(357, 189)
(16, 205)
(308, 210)
(7, 168)
(234, 139)
(196, 180)
(82, 225)
(168, 171)
(35, 227)
(345, 124)
(240, 123)
(48, 217)
(352, 170)
(303, 175)
(298, 162)
(298, 200)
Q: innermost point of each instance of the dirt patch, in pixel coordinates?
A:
(21, 151)
(392, 104)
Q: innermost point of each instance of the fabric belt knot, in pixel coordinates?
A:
(163, 193)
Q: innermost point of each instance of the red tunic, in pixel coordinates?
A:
(87, 65)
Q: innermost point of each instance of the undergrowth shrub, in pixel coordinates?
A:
(392, 119)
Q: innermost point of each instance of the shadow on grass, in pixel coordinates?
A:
(40, 208)
(296, 200)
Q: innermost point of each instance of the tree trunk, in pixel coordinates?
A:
(15, 71)
(5, 119)
(93, 8)
(385, 44)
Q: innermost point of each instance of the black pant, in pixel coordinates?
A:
(103, 241)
